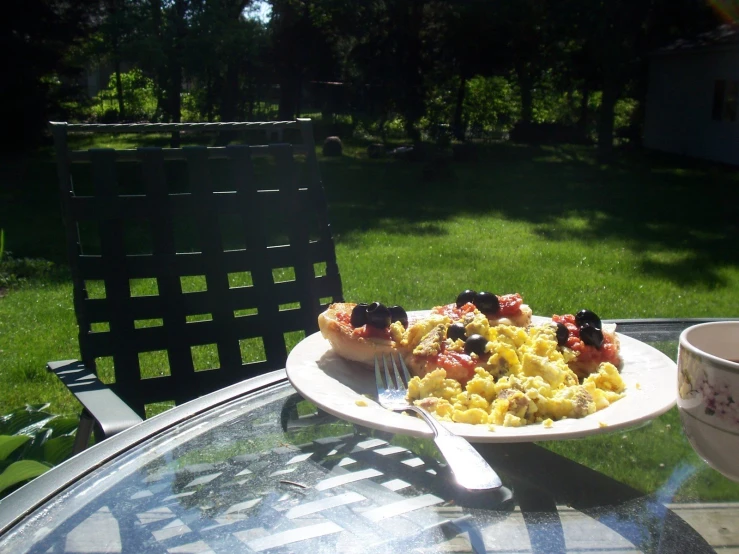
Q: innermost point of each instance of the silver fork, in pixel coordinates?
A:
(469, 467)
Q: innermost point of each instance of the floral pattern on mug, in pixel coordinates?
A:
(693, 382)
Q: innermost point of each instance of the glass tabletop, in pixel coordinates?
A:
(268, 471)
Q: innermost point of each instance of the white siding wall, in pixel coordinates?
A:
(680, 101)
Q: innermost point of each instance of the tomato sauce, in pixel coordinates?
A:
(608, 352)
(370, 332)
(459, 366)
(510, 305)
(452, 312)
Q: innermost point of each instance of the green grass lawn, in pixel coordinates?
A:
(648, 236)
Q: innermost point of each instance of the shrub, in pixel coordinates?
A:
(395, 128)
(139, 98)
(364, 132)
(332, 146)
(491, 103)
(16, 271)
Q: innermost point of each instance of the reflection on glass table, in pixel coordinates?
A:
(263, 470)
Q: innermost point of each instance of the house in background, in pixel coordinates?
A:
(692, 96)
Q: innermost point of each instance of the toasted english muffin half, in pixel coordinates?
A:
(357, 344)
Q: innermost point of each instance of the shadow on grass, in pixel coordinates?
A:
(679, 215)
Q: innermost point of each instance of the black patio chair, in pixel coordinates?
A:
(193, 268)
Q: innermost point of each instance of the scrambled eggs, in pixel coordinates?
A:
(523, 377)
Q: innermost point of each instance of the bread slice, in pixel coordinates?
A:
(348, 342)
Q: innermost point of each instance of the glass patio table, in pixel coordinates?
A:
(257, 468)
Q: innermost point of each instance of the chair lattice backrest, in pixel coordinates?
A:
(203, 265)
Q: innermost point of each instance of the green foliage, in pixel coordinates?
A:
(439, 107)
(551, 104)
(395, 128)
(190, 109)
(624, 112)
(139, 98)
(8, 443)
(20, 472)
(41, 39)
(32, 440)
(18, 271)
(491, 103)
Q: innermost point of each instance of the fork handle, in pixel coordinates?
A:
(470, 469)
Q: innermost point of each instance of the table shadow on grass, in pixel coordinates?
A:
(653, 204)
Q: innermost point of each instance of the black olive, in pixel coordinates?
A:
(487, 302)
(397, 313)
(378, 315)
(359, 315)
(476, 344)
(456, 331)
(586, 316)
(563, 333)
(465, 296)
(591, 335)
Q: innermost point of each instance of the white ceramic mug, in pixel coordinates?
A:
(708, 393)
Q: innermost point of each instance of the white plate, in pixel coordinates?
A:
(335, 385)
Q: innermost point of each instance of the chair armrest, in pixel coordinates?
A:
(106, 407)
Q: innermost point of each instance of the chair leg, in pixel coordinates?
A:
(84, 432)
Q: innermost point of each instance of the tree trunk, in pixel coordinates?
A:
(175, 83)
(412, 131)
(160, 85)
(299, 95)
(286, 107)
(119, 90)
(175, 101)
(115, 49)
(582, 124)
(207, 107)
(415, 105)
(606, 119)
(229, 101)
(230, 93)
(458, 126)
(525, 85)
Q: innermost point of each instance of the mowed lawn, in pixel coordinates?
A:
(648, 236)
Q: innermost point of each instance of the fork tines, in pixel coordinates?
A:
(400, 382)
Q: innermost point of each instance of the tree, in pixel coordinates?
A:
(39, 38)
(300, 33)
(395, 57)
(116, 35)
(473, 47)
(615, 39)
(158, 46)
(226, 59)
